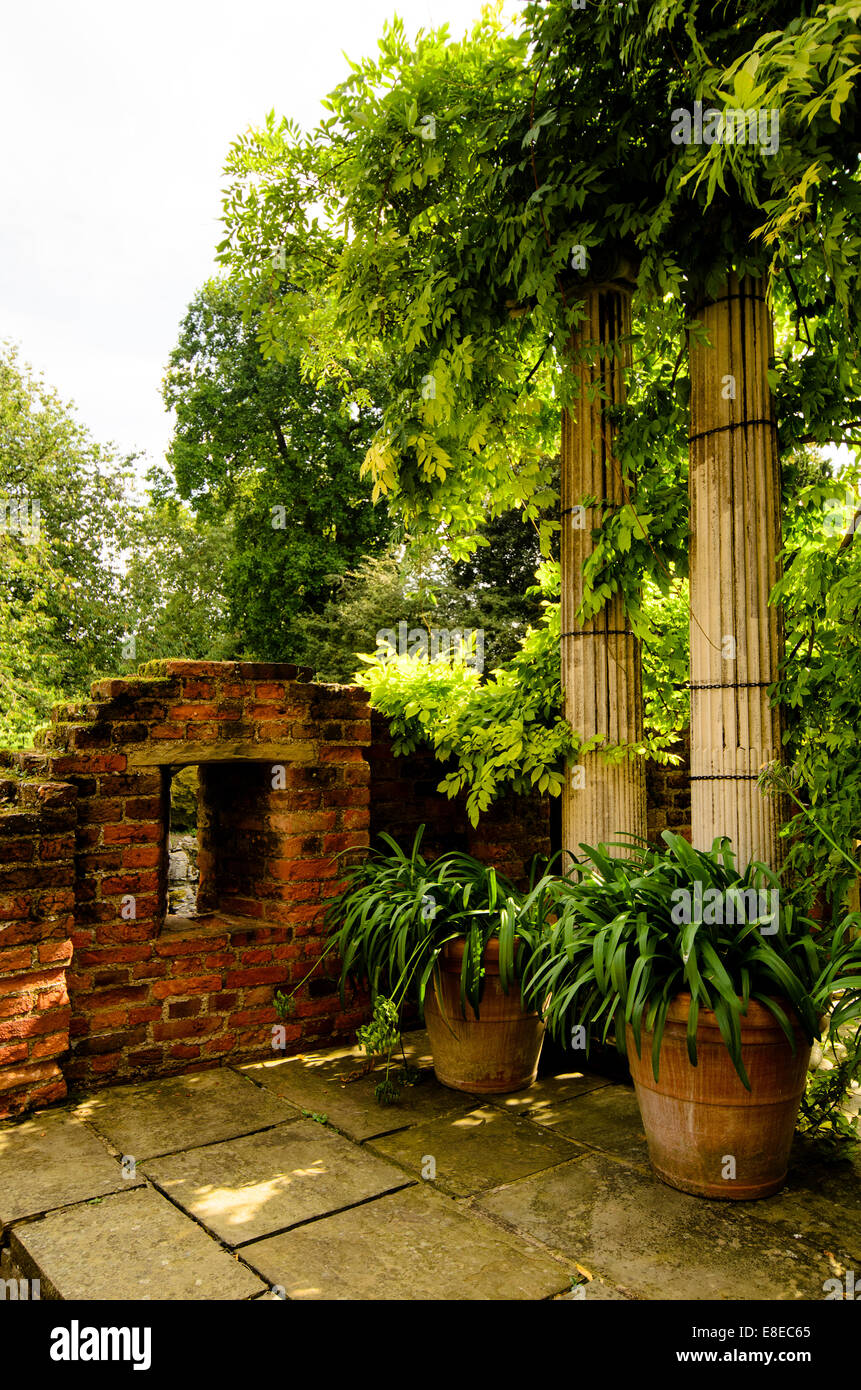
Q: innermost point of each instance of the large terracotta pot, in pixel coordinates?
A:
(698, 1119)
(499, 1050)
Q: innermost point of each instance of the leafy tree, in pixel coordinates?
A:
(507, 732)
(448, 208)
(173, 596)
(261, 448)
(491, 591)
(64, 525)
(820, 685)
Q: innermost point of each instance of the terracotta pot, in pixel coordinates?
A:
(699, 1118)
(499, 1050)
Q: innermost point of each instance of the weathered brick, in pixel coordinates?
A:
(141, 856)
(97, 811)
(116, 931)
(51, 998)
(16, 851)
(185, 1028)
(218, 961)
(50, 952)
(21, 958)
(194, 712)
(295, 822)
(133, 883)
(97, 1020)
(183, 1008)
(225, 1042)
(143, 808)
(251, 1016)
(150, 970)
(110, 1042)
(145, 1015)
(241, 907)
(28, 1076)
(347, 839)
(263, 994)
(291, 869)
(188, 965)
(115, 998)
(109, 955)
(198, 689)
(261, 976)
(37, 877)
(34, 1025)
(188, 945)
(106, 1066)
(258, 956)
(222, 1002)
(15, 1005)
(201, 984)
(51, 1046)
(130, 784)
(89, 762)
(146, 1057)
(103, 978)
(130, 733)
(32, 981)
(138, 833)
(340, 754)
(351, 796)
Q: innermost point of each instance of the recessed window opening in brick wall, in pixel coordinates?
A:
(219, 843)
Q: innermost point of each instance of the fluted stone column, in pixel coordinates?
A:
(736, 639)
(601, 674)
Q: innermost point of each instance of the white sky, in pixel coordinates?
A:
(116, 121)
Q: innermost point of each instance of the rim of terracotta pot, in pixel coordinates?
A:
(757, 1016)
(452, 951)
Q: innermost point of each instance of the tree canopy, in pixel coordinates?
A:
(440, 220)
(436, 213)
(64, 523)
(277, 457)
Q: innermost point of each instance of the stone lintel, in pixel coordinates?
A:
(179, 753)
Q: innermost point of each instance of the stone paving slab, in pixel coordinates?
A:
(476, 1150)
(52, 1160)
(182, 1112)
(414, 1245)
(327, 1217)
(317, 1086)
(417, 1048)
(607, 1119)
(651, 1242)
(334, 1062)
(821, 1202)
(132, 1245)
(542, 1100)
(263, 1183)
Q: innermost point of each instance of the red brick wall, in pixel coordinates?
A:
(95, 985)
(404, 796)
(37, 899)
(148, 998)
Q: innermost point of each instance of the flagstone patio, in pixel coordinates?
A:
(281, 1179)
